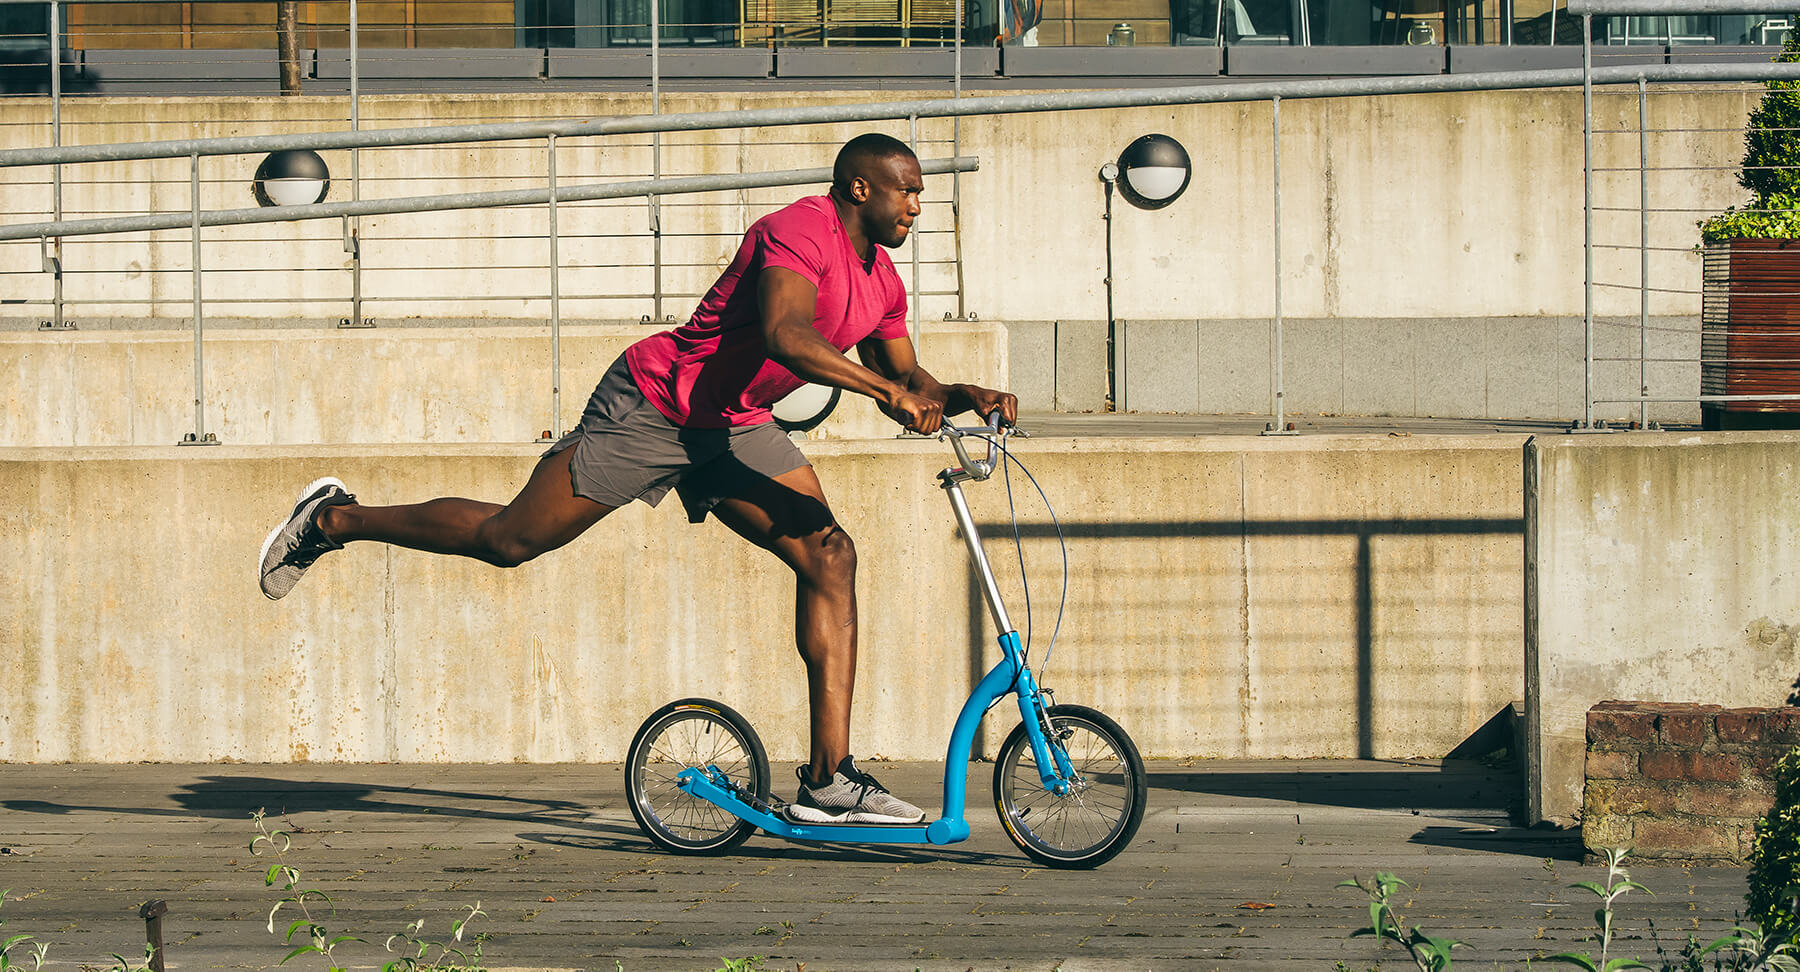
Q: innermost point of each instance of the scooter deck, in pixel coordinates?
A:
(944, 830)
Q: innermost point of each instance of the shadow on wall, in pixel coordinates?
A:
(1364, 532)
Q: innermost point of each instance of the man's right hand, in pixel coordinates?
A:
(915, 413)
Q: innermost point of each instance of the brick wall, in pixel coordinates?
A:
(1680, 780)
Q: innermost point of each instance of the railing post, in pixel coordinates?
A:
(1109, 176)
(1643, 253)
(199, 436)
(57, 318)
(962, 306)
(1587, 218)
(912, 139)
(1279, 426)
(655, 201)
(352, 224)
(555, 431)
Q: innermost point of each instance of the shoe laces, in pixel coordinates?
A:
(313, 542)
(865, 784)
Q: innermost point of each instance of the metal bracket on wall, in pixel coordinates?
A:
(53, 267)
(353, 246)
(649, 319)
(969, 317)
(191, 439)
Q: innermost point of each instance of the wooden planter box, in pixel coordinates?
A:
(1750, 332)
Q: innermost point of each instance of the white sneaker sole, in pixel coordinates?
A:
(799, 814)
(269, 541)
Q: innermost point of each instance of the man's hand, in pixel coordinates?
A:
(915, 413)
(987, 401)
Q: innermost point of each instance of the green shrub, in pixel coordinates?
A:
(1771, 167)
(1775, 861)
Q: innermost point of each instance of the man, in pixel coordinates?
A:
(688, 409)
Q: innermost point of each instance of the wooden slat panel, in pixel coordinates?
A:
(1750, 323)
(863, 12)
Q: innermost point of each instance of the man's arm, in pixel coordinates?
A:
(896, 359)
(787, 302)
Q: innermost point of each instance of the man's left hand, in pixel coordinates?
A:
(987, 401)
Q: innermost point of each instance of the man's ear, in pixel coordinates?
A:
(859, 189)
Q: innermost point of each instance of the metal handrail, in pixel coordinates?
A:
(896, 110)
(1612, 8)
(447, 201)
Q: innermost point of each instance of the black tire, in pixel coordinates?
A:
(693, 733)
(1089, 826)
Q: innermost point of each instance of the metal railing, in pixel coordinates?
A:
(1658, 242)
(555, 194)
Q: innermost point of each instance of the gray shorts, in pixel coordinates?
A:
(625, 449)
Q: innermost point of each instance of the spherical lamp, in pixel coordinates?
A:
(1153, 171)
(291, 177)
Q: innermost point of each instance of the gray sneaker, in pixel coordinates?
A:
(296, 542)
(852, 797)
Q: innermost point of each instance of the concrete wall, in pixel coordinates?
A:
(1659, 568)
(1442, 228)
(1327, 596)
(276, 386)
(1496, 368)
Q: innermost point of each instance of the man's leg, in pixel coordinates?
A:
(545, 515)
(789, 517)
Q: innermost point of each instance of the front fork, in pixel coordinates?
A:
(1052, 760)
(1054, 768)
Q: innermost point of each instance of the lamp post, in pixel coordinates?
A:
(1152, 172)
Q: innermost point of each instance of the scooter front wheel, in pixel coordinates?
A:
(1092, 822)
(693, 734)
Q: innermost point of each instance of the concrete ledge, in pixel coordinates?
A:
(395, 384)
(1327, 596)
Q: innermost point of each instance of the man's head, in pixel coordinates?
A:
(878, 176)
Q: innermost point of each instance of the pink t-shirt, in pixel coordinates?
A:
(712, 372)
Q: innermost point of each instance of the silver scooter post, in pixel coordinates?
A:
(952, 480)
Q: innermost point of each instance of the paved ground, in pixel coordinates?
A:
(1234, 868)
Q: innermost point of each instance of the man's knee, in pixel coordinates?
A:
(510, 551)
(830, 558)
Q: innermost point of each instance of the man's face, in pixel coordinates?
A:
(894, 184)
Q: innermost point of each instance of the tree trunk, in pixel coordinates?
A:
(287, 29)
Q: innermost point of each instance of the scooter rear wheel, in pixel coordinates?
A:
(696, 734)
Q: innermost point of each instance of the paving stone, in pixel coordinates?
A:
(392, 844)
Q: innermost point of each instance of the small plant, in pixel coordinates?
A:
(121, 964)
(1618, 882)
(1775, 858)
(8, 943)
(1746, 949)
(1771, 154)
(319, 941)
(749, 963)
(415, 954)
(1428, 953)
(1749, 948)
